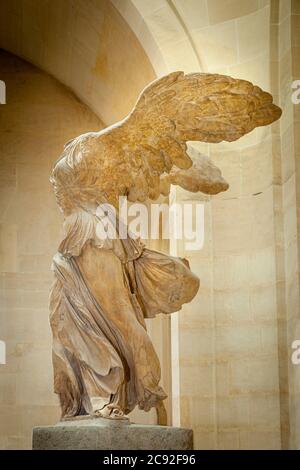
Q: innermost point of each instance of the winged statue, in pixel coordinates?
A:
(104, 362)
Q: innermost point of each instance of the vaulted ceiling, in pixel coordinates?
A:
(106, 51)
(85, 44)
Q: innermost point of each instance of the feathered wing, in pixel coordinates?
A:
(133, 157)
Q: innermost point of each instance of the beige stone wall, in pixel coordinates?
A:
(288, 24)
(85, 44)
(233, 402)
(227, 377)
(233, 381)
(39, 117)
(247, 394)
(89, 47)
(294, 313)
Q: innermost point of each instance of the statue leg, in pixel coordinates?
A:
(161, 413)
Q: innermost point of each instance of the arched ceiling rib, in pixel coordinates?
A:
(85, 44)
(106, 51)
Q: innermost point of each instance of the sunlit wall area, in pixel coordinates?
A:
(85, 44)
(238, 403)
(231, 346)
(289, 28)
(226, 356)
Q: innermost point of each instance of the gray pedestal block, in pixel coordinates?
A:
(104, 434)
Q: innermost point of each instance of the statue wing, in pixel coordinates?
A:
(195, 107)
(134, 156)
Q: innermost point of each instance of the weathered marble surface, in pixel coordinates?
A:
(104, 434)
(104, 361)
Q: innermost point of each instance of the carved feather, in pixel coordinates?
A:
(132, 157)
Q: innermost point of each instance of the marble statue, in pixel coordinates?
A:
(104, 362)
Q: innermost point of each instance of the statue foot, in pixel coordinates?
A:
(110, 412)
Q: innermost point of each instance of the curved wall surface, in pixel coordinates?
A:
(88, 47)
(40, 115)
(85, 44)
(231, 346)
(231, 381)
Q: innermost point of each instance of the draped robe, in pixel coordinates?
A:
(103, 291)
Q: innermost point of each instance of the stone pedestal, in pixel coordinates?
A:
(105, 434)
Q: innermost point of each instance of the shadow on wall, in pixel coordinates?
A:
(39, 117)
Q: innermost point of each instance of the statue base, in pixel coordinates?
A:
(107, 434)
